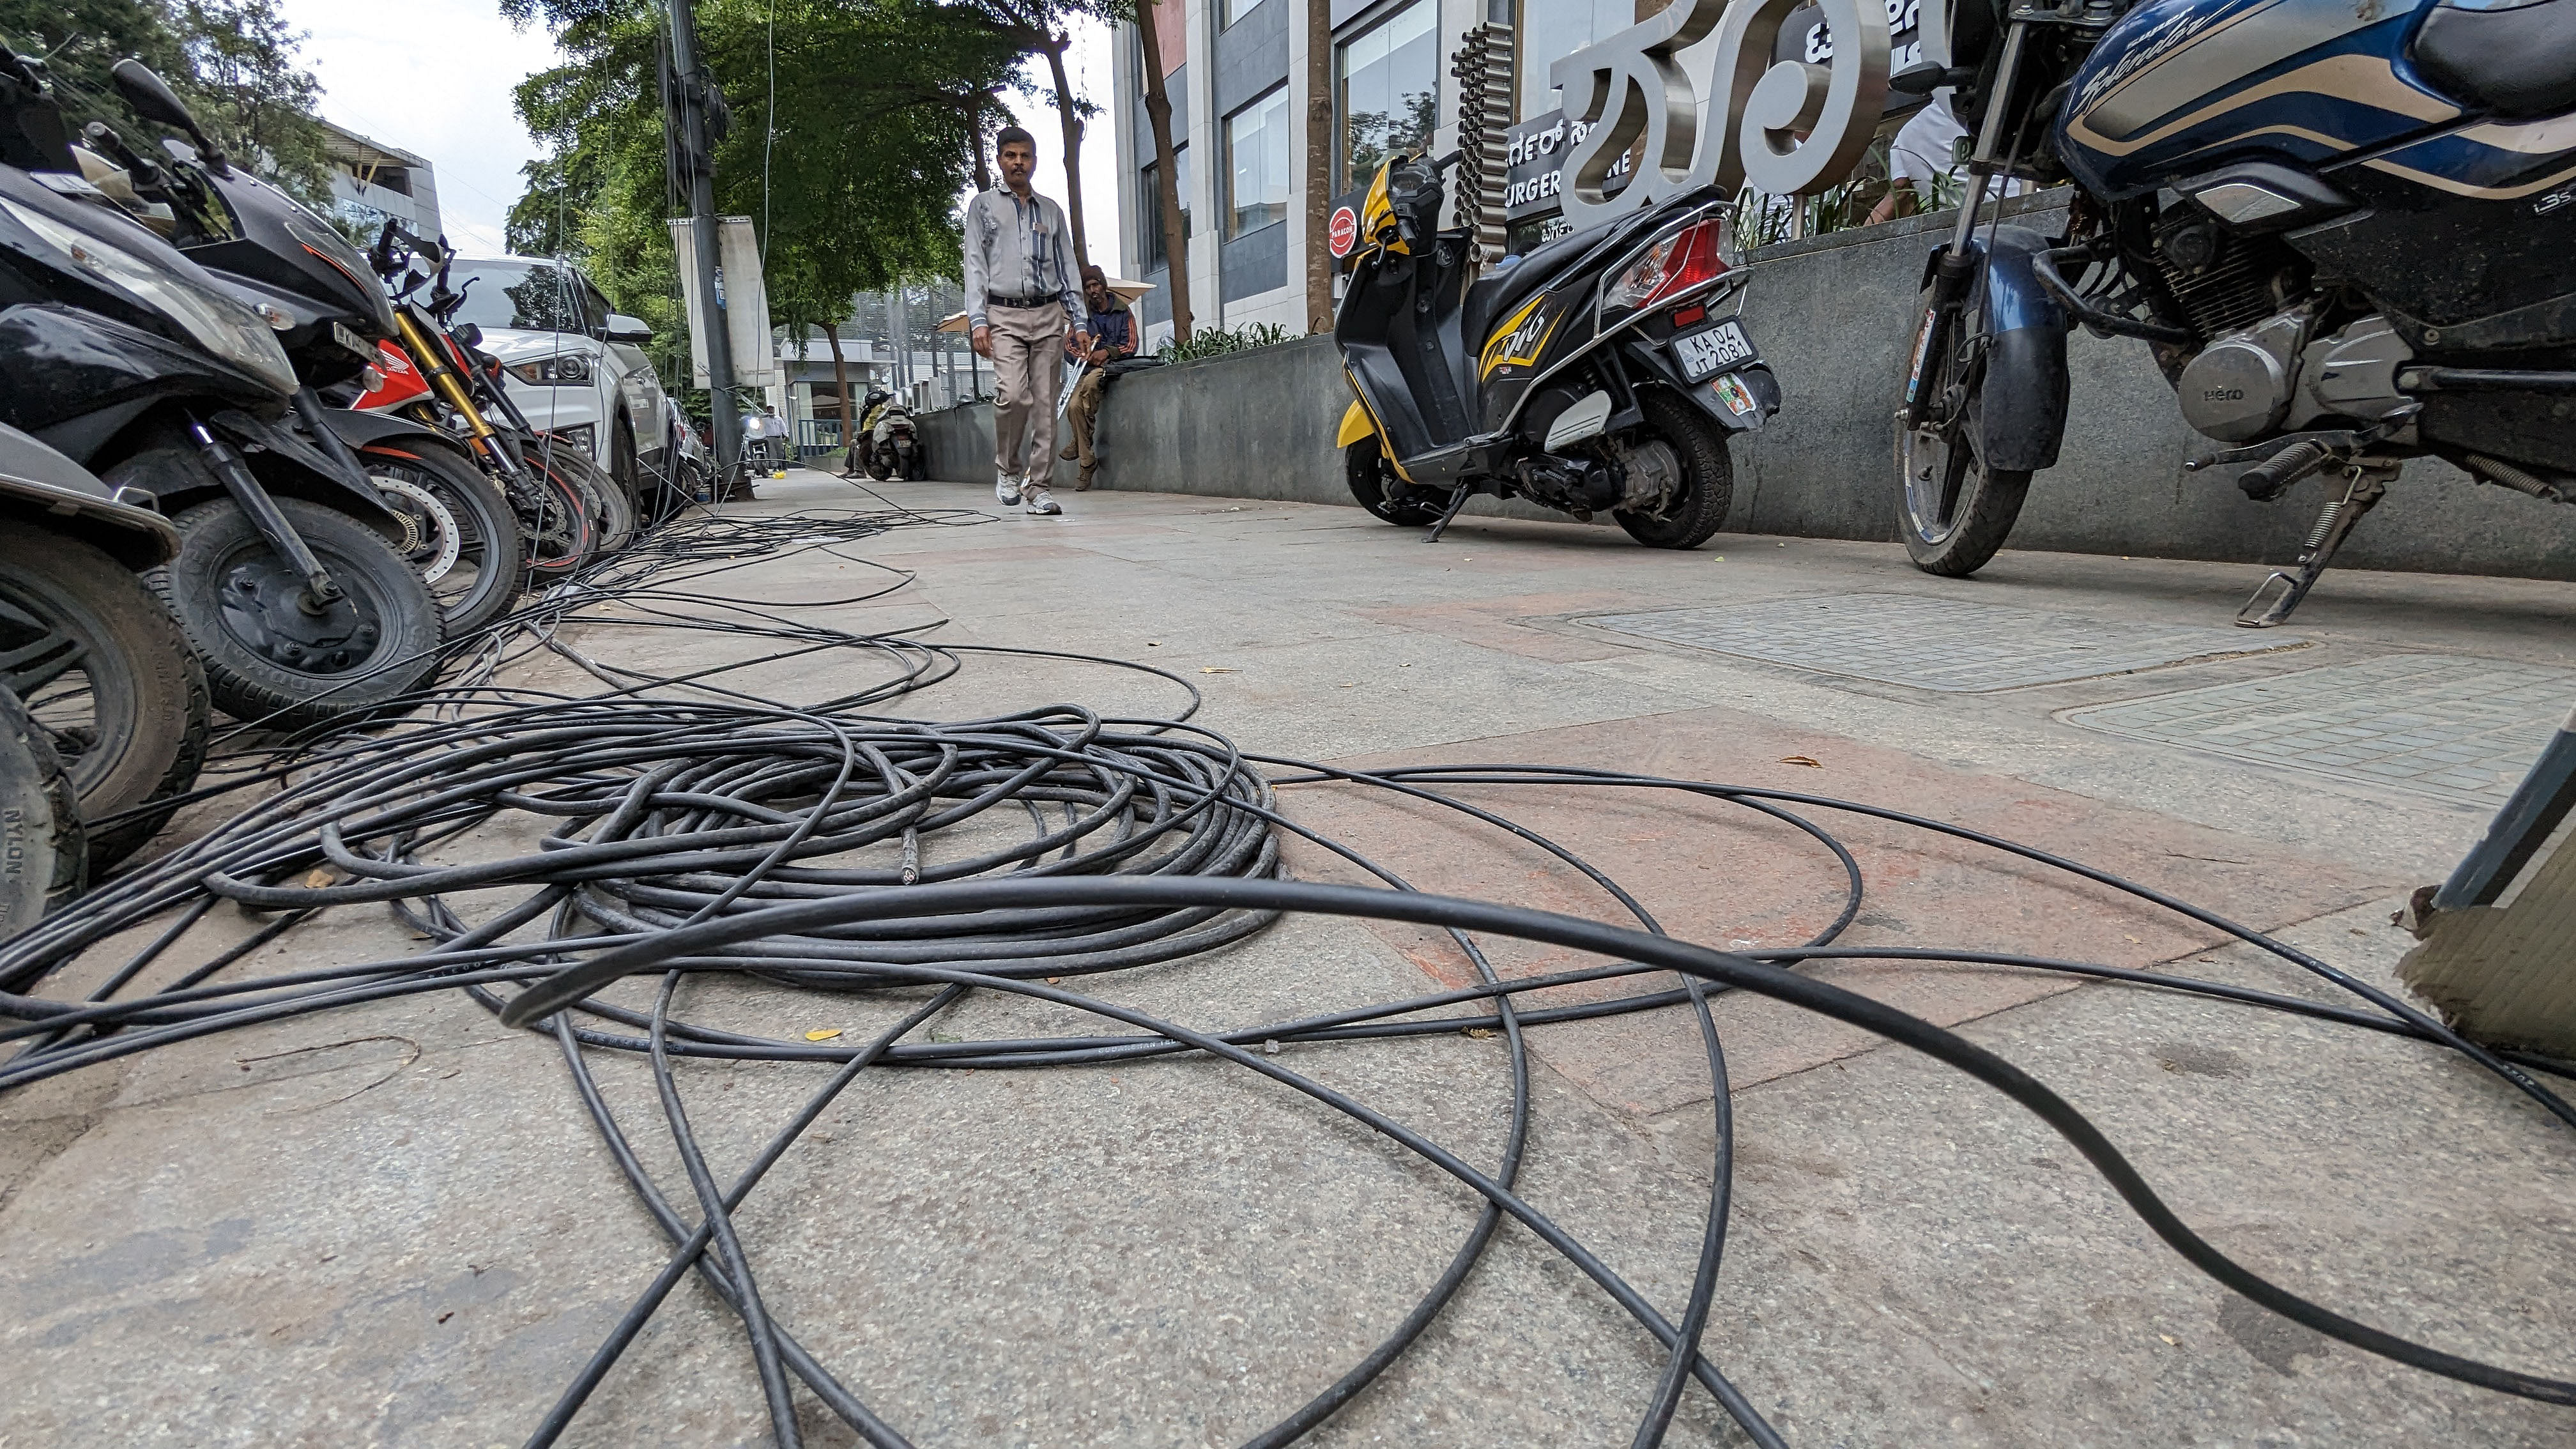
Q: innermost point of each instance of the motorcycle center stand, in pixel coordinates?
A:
(2284, 461)
(1457, 500)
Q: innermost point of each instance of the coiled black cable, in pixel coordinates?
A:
(697, 828)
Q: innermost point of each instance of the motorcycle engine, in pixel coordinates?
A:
(2270, 376)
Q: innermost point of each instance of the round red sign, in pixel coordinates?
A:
(1342, 231)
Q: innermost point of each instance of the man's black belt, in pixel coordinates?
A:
(1043, 299)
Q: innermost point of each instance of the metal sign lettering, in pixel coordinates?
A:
(1788, 127)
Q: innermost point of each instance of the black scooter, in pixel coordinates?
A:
(135, 362)
(283, 261)
(1593, 373)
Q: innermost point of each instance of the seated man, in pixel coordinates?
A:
(1113, 336)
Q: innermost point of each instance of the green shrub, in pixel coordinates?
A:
(1217, 341)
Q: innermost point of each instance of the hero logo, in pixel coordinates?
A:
(1343, 231)
(2222, 394)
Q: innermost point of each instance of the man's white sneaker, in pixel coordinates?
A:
(1040, 500)
(1006, 489)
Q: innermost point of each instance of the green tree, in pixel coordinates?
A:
(232, 61)
(850, 166)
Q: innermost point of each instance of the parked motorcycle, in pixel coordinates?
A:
(1593, 373)
(893, 449)
(2341, 227)
(298, 271)
(90, 654)
(43, 860)
(135, 362)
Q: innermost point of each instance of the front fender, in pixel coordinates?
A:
(301, 471)
(2023, 402)
(1356, 424)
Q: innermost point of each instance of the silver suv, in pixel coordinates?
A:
(576, 368)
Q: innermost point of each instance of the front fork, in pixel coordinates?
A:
(1955, 273)
(443, 380)
(320, 593)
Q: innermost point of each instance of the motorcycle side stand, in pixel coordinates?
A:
(2364, 485)
(1457, 500)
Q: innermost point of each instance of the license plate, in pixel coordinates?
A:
(341, 334)
(1720, 347)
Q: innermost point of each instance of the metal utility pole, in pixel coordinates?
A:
(694, 97)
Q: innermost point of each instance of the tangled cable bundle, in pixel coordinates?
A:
(693, 831)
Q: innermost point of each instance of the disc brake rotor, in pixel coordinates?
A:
(429, 541)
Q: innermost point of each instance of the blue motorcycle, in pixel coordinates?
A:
(2346, 227)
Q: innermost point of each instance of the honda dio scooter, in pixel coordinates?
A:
(1593, 373)
(2343, 227)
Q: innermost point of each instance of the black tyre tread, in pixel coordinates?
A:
(505, 556)
(44, 852)
(1360, 471)
(164, 743)
(1710, 471)
(1980, 536)
(341, 541)
(611, 511)
(562, 493)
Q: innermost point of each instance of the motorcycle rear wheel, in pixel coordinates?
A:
(1953, 512)
(611, 511)
(1364, 468)
(1708, 477)
(479, 580)
(106, 675)
(266, 659)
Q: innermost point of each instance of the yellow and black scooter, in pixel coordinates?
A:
(1593, 373)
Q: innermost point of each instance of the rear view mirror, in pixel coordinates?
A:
(153, 100)
(634, 331)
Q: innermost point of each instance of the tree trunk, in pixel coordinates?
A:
(1072, 121)
(841, 405)
(975, 129)
(1319, 165)
(1167, 187)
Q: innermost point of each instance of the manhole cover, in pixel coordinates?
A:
(2439, 724)
(1943, 644)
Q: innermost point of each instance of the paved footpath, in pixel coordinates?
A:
(395, 1227)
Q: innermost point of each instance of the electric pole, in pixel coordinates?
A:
(699, 131)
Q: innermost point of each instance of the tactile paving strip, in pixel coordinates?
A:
(1942, 644)
(2439, 724)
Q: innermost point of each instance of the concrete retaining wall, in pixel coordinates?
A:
(1834, 317)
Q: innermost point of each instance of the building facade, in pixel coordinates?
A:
(1236, 74)
(371, 181)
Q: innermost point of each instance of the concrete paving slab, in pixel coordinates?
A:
(397, 1228)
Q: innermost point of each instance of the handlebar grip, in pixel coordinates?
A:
(1452, 159)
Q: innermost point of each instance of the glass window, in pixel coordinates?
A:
(528, 296)
(1386, 91)
(1256, 154)
(1558, 28)
(1150, 200)
(1237, 9)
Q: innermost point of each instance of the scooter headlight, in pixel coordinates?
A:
(1674, 264)
(221, 325)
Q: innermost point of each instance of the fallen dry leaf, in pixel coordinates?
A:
(823, 1033)
(1809, 761)
(317, 878)
(1213, 669)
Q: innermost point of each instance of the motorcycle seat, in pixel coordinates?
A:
(2510, 58)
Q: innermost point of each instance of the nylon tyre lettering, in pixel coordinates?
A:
(107, 677)
(1708, 477)
(44, 857)
(266, 657)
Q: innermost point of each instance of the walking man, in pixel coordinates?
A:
(1113, 336)
(1020, 302)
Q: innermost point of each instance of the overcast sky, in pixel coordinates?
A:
(434, 77)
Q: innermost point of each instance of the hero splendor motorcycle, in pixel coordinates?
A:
(2346, 227)
(1593, 373)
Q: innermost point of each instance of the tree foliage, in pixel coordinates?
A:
(232, 61)
(850, 167)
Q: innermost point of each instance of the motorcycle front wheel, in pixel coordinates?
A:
(1952, 511)
(466, 544)
(268, 657)
(1378, 490)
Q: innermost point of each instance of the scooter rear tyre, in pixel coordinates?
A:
(1708, 477)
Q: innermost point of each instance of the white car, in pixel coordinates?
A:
(576, 368)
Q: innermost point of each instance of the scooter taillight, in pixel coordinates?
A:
(1673, 265)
